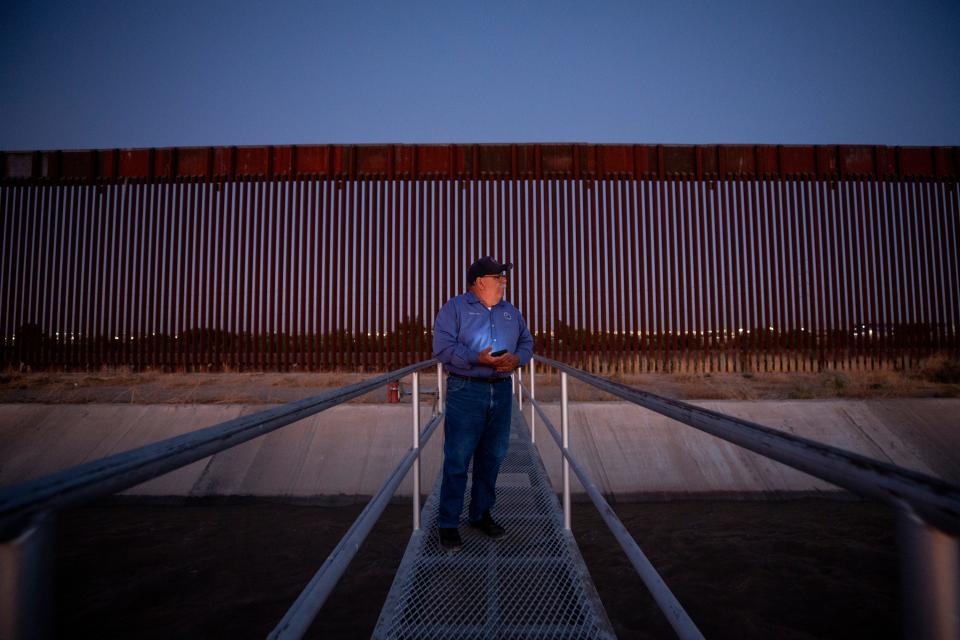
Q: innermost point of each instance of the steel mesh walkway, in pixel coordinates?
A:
(531, 584)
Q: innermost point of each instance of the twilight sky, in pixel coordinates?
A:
(156, 74)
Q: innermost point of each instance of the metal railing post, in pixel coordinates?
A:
(930, 570)
(565, 434)
(533, 410)
(520, 388)
(26, 581)
(416, 448)
(440, 390)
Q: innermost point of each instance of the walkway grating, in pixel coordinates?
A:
(531, 584)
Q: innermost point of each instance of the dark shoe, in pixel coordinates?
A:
(450, 539)
(488, 526)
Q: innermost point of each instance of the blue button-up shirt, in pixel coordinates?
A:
(465, 327)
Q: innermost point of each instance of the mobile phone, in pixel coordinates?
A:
(497, 354)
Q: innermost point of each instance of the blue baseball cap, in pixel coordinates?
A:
(487, 266)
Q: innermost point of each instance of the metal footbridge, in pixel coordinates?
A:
(531, 584)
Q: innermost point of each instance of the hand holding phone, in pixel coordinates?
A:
(489, 359)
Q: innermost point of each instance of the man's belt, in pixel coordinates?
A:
(489, 380)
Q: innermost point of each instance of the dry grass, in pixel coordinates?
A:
(934, 377)
(940, 368)
(937, 376)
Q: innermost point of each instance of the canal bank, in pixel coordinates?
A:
(348, 451)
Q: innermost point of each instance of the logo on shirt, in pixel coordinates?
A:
(507, 316)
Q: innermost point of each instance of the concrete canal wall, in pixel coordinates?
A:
(350, 449)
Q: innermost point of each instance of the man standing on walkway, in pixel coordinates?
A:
(480, 338)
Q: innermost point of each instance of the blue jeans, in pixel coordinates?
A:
(477, 425)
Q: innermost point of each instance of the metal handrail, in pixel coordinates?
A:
(936, 501)
(668, 603)
(25, 509)
(928, 508)
(298, 618)
(115, 473)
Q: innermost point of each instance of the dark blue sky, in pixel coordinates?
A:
(140, 74)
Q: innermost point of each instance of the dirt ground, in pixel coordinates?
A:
(810, 568)
(935, 377)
